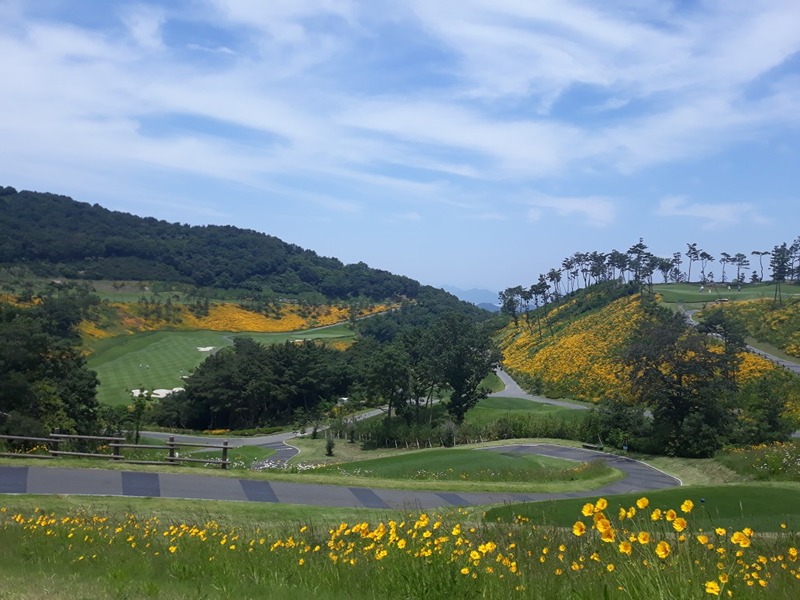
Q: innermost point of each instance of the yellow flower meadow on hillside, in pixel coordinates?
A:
(774, 323)
(579, 358)
(231, 317)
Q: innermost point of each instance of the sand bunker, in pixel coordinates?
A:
(205, 348)
(159, 393)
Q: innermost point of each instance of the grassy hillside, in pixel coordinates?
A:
(768, 321)
(123, 318)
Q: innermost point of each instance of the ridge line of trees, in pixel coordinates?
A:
(639, 266)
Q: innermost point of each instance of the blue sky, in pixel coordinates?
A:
(474, 143)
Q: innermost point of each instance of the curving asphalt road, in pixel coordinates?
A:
(99, 482)
(639, 477)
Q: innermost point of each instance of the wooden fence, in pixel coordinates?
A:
(57, 441)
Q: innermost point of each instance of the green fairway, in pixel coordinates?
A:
(690, 293)
(490, 409)
(159, 359)
(762, 507)
(468, 465)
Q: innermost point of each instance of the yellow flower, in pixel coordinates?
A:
(603, 525)
(687, 506)
(642, 503)
(579, 528)
(655, 515)
(609, 567)
(702, 538)
(740, 539)
(712, 587)
(679, 524)
(588, 509)
(465, 571)
(671, 515)
(625, 548)
(663, 549)
(720, 531)
(643, 537)
(608, 535)
(601, 504)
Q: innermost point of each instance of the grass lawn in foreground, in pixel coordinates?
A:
(149, 548)
(159, 359)
(760, 506)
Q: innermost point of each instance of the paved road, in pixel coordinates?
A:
(99, 482)
(512, 390)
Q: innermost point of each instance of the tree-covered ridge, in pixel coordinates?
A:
(778, 325)
(640, 267)
(54, 235)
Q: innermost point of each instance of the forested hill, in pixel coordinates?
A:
(54, 235)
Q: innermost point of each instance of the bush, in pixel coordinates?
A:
(329, 444)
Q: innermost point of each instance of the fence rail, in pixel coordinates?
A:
(117, 445)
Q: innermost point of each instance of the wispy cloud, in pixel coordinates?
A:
(710, 215)
(391, 108)
(597, 211)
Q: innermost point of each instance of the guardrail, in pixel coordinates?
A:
(116, 445)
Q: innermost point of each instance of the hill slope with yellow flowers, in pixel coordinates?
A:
(121, 318)
(769, 321)
(573, 348)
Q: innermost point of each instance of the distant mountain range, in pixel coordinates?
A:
(476, 296)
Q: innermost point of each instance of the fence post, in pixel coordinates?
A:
(224, 454)
(116, 453)
(171, 444)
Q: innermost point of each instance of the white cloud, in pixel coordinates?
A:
(597, 211)
(144, 25)
(710, 215)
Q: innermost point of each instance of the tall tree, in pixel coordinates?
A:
(675, 373)
(794, 256)
(693, 254)
(724, 259)
(761, 254)
(742, 262)
(467, 356)
(705, 258)
(779, 264)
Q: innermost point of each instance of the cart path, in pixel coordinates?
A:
(639, 477)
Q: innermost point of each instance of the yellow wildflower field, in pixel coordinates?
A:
(637, 553)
